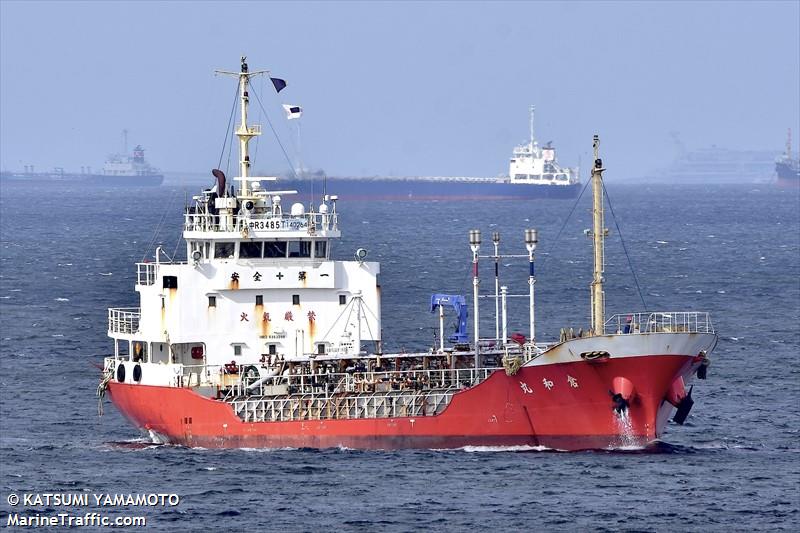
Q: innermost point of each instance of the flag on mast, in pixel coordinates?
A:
(293, 111)
(279, 84)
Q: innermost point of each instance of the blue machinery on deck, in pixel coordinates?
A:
(457, 302)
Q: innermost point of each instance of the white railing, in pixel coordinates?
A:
(309, 222)
(358, 382)
(246, 380)
(659, 322)
(124, 319)
(145, 273)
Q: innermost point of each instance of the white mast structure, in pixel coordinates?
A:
(496, 241)
(598, 242)
(475, 245)
(531, 240)
(532, 109)
(245, 132)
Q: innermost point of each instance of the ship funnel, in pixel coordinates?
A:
(220, 181)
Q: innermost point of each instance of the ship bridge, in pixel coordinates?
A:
(255, 226)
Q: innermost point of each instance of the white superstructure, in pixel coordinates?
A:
(126, 165)
(259, 284)
(533, 164)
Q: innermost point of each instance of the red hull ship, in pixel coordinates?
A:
(256, 341)
(497, 412)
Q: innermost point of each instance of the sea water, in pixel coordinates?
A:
(68, 253)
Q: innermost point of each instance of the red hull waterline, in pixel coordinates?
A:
(564, 406)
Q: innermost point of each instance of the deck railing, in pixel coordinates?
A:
(659, 322)
(124, 320)
(310, 222)
(246, 380)
(145, 273)
(353, 382)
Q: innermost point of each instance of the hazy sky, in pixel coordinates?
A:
(398, 87)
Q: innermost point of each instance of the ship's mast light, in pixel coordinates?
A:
(531, 239)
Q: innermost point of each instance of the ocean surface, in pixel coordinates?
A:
(68, 252)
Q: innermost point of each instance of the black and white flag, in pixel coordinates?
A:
(293, 111)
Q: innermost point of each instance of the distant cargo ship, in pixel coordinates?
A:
(534, 172)
(788, 168)
(118, 170)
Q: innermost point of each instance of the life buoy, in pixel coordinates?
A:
(121, 373)
(137, 373)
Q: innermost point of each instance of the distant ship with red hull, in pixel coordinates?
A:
(119, 170)
(257, 340)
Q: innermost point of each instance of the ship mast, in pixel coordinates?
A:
(244, 132)
(598, 242)
(531, 119)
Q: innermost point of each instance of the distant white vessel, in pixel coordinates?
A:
(716, 165)
(134, 167)
(121, 169)
(533, 173)
(536, 165)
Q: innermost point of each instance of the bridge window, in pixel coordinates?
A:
(275, 249)
(320, 247)
(250, 250)
(224, 250)
(299, 248)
